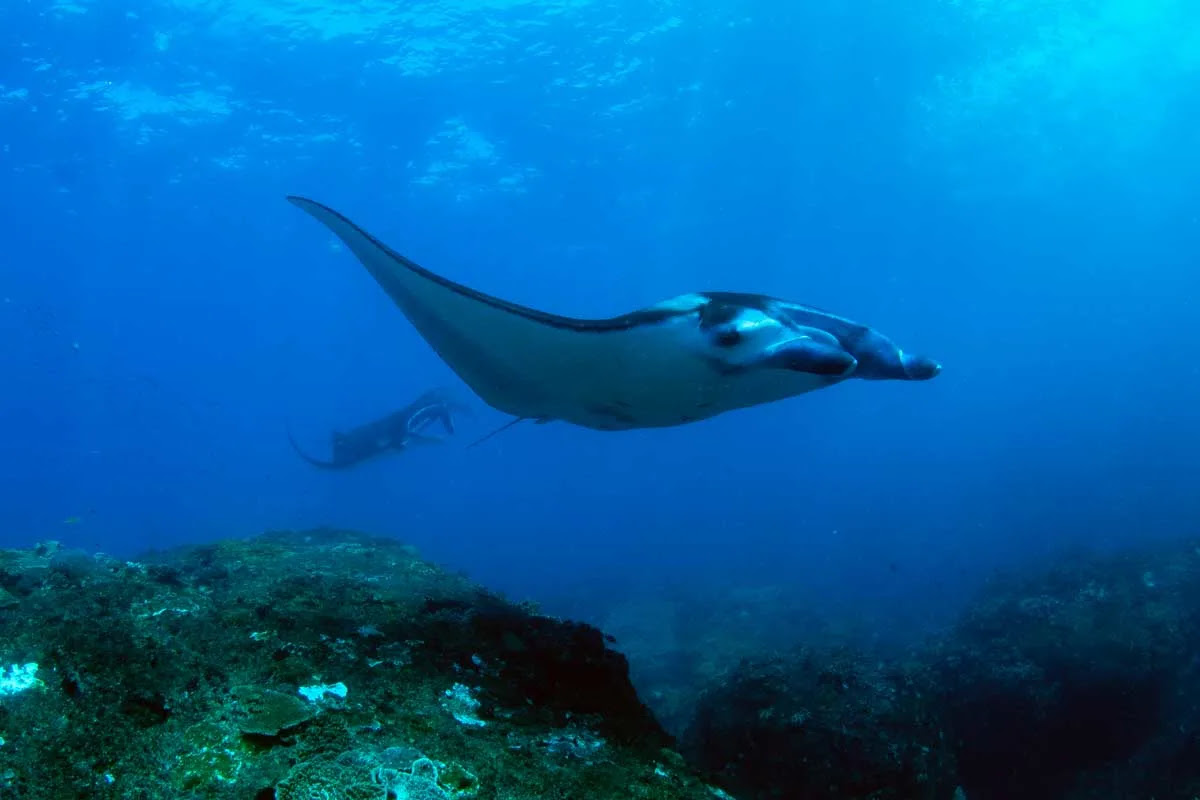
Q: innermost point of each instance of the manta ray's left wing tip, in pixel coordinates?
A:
(301, 201)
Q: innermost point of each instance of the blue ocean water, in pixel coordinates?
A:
(1009, 188)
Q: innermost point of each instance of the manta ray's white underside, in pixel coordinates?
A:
(638, 370)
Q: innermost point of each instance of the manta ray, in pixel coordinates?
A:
(394, 432)
(685, 359)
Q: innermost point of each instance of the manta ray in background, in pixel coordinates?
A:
(395, 432)
(685, 359)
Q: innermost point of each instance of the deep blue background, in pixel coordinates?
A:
(1011, 191)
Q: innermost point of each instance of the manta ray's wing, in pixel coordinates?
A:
(525, 362)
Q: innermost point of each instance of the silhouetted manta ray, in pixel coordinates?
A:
(686, 359)
(395, 432)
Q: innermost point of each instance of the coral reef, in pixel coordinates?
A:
(1081, 682)
(1074, 681)
(823, 724)
(319, 665)
(329, 665)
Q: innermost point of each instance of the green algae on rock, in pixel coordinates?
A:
(321, 664)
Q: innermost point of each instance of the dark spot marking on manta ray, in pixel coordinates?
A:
(728, 337)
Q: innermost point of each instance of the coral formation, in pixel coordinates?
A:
(308, 666)
(328, 665)
(1078, 683)
(823, 724)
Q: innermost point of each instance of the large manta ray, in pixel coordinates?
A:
(683, 360)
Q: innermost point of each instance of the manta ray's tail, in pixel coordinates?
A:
(501, 429)
(316, 462)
